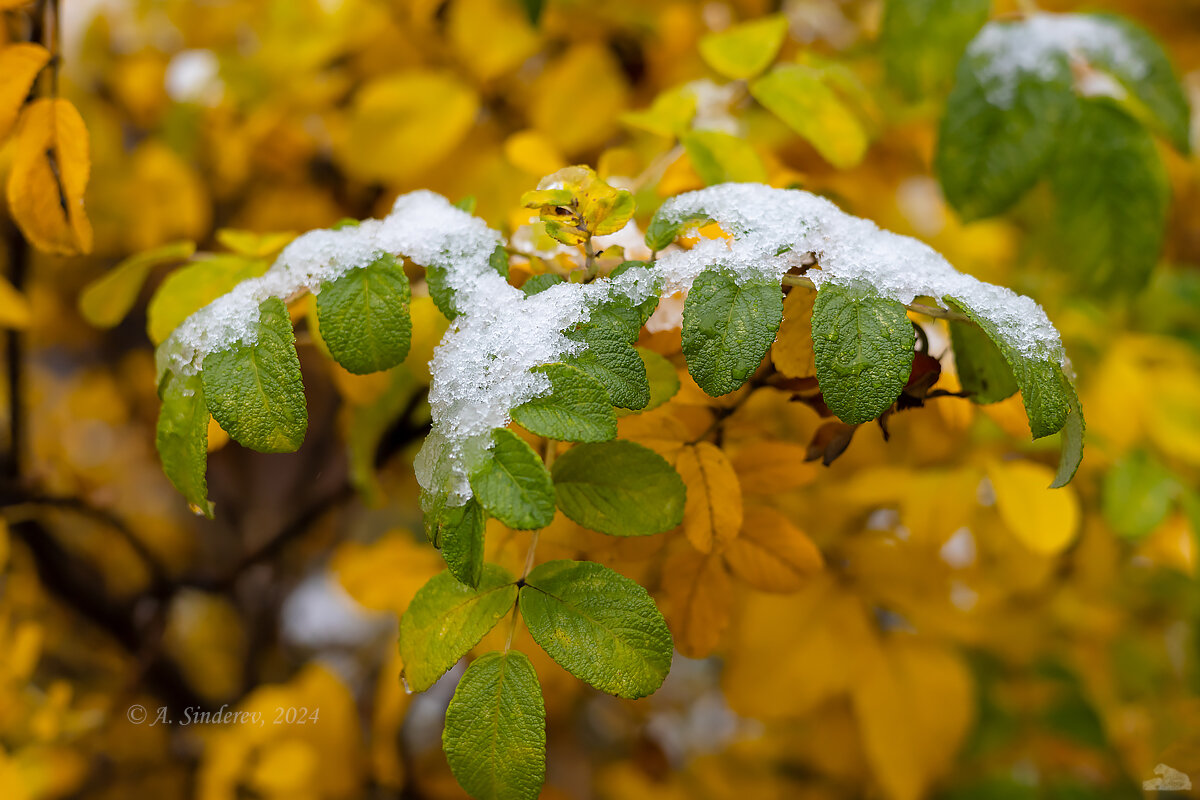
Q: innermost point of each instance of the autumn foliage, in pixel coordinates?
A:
(816, 581)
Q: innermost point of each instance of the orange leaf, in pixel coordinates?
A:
(713, 513)
(696, 602)
(772, 554)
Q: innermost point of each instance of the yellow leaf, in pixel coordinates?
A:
(252, 244)
(1173, 420)
(696, 594)
(789, 654)
(205, 637)
(745, 50)
(767, 467)
(914, 705)
(720, 157)
(713, 511)
(19, 67)
(772, 554)
(14, 307)
(491, 37)
(1044, 520)
(533, 152)
(588, 74)
(385, 574)
(669, 115)
(49, 174)
(792, 352)
(106, 300)
(402, 125)
(797, 94)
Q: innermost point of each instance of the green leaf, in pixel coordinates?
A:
(728, 328)
(459, 533)
(1112, 197)
(743, 51)
(619, 488)
(922, 40)
(720, 157)
(364, 317)
(610, 359)
(182, 438)
(663, 229)
(661, 377)
(255, 391)
(1139, 492)
(513, 485)
(1071, 455)
(106, 300)
(1156, 96)
(495, 734)
(498, 261)
(989, 154)
(191, 287)
(446, 618)
(798, 95)
(1047, 393)
(467, 204)
(863, 349)
(540, 283)
(598, 625)
(982, 368)
(576, 410)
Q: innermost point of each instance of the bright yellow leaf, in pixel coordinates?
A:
(19, 67)
(1044, 520)
(713, 511)
(915, 704)
(253, 244)
(491, 37)
(385, 574)
(49, 175)
(533, 152)
(404, 124)
(772, 554)
(577, 98)
(792, 352)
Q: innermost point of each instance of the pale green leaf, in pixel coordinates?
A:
(619, 488)
(513, 485)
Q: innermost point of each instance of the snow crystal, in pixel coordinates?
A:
(773, 229)
(1043, 46)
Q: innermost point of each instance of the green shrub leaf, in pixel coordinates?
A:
(598, 625)
(619, 488)
(577, 409)
(255, 391)
(459, 533)
(922, 40)
(446, 618)
(182, 438)
(720, 157)
(982, 368)
(661, 377)
(364, 316)
(1113, 194)
(863, 349)
(1139, 492)
(193, 286)
(513, 485)
(728, 328)
(798, 95)
(988, 155)
(495, 734)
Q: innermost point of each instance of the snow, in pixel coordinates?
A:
(482, 368)
(773, 229)
(1043, 46)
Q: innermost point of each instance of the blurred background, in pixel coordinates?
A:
(972, 635)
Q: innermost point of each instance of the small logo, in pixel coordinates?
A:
(1169, 780)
